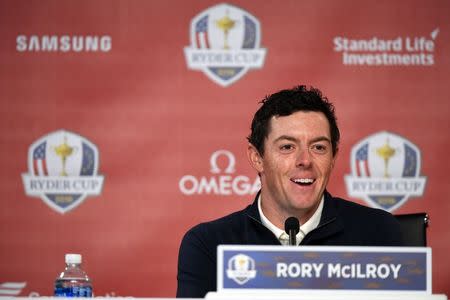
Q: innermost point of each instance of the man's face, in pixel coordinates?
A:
(296, 165)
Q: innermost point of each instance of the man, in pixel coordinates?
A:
(293, 146)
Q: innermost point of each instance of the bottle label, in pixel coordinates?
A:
(73, 291)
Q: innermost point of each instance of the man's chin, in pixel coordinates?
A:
(304, 196)
(305, 203)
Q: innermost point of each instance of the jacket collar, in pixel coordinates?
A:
(252, 210)
(330, 223)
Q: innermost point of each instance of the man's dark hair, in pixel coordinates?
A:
(287, 102)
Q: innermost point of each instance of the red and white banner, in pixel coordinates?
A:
(124, 123)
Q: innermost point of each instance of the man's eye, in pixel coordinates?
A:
(287, 147)
(319, 148)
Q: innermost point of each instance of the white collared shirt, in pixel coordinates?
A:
(281, 235)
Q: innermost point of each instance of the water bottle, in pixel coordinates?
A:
(73, 281)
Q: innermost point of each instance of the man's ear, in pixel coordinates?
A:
(254, 158)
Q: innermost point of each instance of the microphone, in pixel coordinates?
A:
(292, 227)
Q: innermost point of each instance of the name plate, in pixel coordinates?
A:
(244, 267)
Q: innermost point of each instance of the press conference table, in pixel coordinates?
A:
(302, 295)
(324, 295)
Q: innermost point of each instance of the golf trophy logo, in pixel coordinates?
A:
(385, 171)
(241, 268)
(63, 170)
(225, 44)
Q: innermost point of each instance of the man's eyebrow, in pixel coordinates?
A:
(285, 137)
(293, 139)
(321, 139)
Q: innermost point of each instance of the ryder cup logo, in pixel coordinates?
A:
(225, 44)
(241, 268)
(62, 170)
(385, 171)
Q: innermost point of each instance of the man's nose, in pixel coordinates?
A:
(303, 158)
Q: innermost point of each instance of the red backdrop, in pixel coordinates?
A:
(154, 120)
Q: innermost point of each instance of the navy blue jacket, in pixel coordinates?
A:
(342, 223)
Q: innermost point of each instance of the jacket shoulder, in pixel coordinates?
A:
(217, 231)
(355, 210)
(376, 226)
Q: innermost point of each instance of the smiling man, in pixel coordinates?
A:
(293, 145)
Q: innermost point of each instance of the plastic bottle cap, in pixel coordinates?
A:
(73, 258)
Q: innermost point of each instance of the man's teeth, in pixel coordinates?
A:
(304, 180)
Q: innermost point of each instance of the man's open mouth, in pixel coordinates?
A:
(303, 181)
